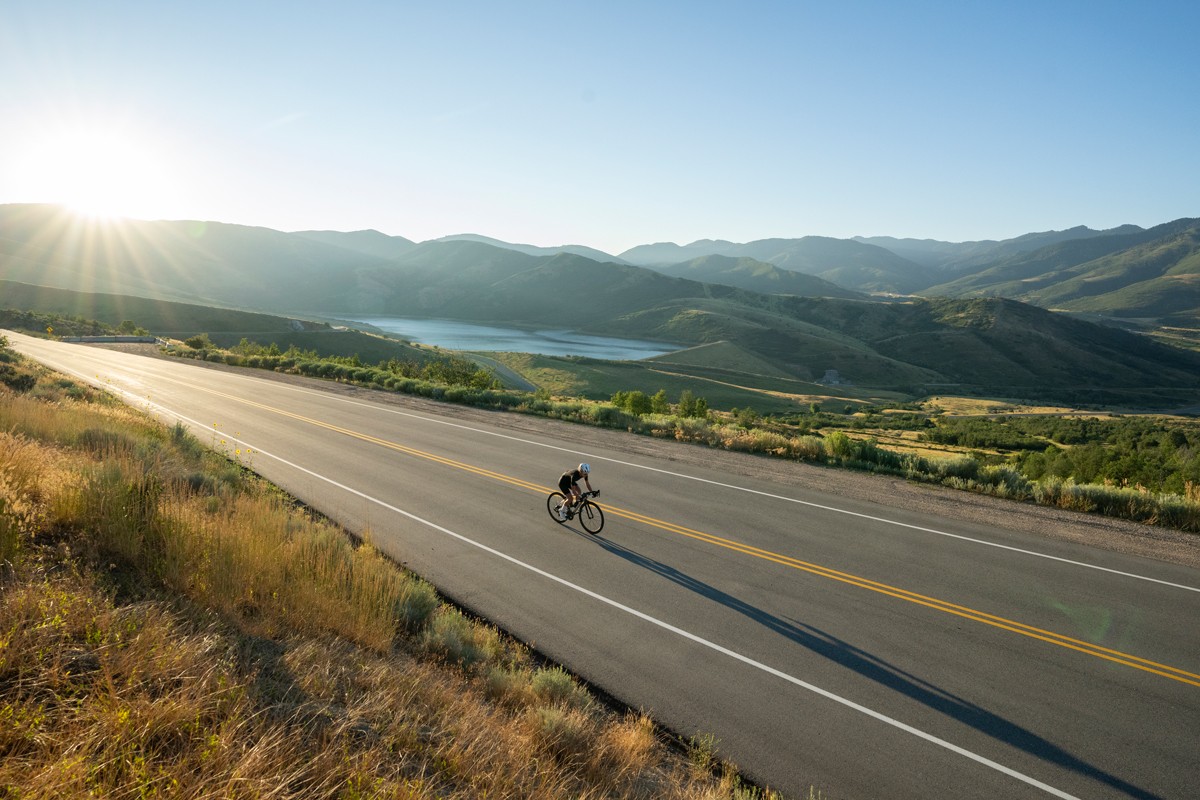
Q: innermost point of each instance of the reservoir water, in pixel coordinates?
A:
(455, 335)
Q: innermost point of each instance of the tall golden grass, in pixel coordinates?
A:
(171, 627)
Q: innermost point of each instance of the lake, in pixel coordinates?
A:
(455, 335)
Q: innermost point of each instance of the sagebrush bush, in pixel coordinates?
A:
(555, 686)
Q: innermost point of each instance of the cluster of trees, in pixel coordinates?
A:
(1132, 452)
(982, 434)
(1157, 453)
(130, 328)
(38, 323)
(639, 403)
(446, 370)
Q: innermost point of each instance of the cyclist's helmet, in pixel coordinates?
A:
(585, 468)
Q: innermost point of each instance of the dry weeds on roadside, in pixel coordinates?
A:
(170, 627)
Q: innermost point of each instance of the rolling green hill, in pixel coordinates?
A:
(371, 243)
(755, 276)
(160, 317)
(1159, 278)
(225, 327)
(847, 263)
(953, 259)
(208, 263)
(534, 250)
(1145, 274)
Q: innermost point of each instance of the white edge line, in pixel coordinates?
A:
(910, 526)
(697, 639)
(834, 509)
(895, 723)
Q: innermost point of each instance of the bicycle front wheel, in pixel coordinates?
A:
(555, 500)
(591, 517)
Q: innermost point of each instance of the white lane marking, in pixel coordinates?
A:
(834, 509)
(594, 457)
(895, 723)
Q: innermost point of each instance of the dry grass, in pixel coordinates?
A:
(169, 627)
(974, 406)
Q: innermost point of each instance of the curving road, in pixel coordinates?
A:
(866, 648)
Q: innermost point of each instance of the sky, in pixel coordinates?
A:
(607, 124)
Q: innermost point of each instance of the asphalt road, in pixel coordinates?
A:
(845, 642)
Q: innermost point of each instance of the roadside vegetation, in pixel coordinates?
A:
(40, 323)
(1144, 468)
(172, 626)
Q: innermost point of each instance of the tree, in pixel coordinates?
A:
(746, 417)
(638, 403)
(635, 402)
(687, 403)
(659, 403)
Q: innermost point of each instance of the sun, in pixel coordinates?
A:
(98, 169)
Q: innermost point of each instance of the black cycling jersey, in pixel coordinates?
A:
(569, 478)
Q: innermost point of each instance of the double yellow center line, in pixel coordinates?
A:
(1115, 656)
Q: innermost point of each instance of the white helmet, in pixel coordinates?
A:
(585, 468)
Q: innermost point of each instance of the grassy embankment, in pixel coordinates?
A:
(171, 626)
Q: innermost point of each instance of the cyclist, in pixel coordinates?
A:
(568, 484)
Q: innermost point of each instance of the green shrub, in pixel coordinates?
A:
(458, 639)
(19, 380)
(610, 416)
(199, 342)
(416, 604)
(808, 448)
(839, 445)
(963, 467)
(555, 686)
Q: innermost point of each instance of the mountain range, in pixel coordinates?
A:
(1145, 276)
(804, 305)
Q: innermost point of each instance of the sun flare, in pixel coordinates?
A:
(99, 170)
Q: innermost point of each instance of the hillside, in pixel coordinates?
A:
(1150, 273)
(208, 263)
(225, 327)
(534, 250)
(849, 264)
(371, 243)
(1004, 343)
(1157, 279)
(958, 258)
(474, 281)
(754, 276)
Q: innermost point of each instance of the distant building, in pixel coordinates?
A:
(832, 378)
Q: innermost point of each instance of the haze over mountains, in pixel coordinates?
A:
(806, 305)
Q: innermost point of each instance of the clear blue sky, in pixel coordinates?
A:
(608, 124)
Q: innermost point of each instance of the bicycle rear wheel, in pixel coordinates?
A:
(555, 500)
(591, 517)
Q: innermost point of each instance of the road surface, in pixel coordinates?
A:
(867, 647)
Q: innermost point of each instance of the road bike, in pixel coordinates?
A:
(589, 514)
